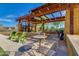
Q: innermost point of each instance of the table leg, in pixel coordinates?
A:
(39, 43)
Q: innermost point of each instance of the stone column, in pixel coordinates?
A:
(72, 20)
(76, 20)
(68, 28)
(19, 26)
(71, 25)
(67, 22)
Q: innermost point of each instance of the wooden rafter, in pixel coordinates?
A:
(51, 8)
(44, 10)
(49, 20)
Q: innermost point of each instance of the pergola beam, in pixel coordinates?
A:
(47, 9)
(51, 8)
(51, 20)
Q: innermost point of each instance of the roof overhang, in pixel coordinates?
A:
(47, 9)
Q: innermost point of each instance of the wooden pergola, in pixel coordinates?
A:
(48, 9)
(71, 19)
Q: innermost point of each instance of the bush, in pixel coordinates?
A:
(18, 36)
(23, 37)
(2, 52)
(13, 36)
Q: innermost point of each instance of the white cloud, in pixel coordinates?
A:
(8, 18)
(11, 16)
(5, 20)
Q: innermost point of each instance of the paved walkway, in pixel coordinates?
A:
(8, 45)
(61, 48)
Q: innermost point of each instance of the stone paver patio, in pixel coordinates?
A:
(9, 45)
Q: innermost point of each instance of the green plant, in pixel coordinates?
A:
(2, 52)
(13, 36)
(23, 37)
(18, 36)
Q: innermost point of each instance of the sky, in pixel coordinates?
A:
(9, 12)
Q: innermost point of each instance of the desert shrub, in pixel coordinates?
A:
(2, 52)
(18, 36)
(23, 37)
(13, 36)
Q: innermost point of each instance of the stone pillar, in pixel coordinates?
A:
(71, 25)
(76, 20)
(72, 20)
(67, 22)
(69, 28)
(33, 27)
(19, 26)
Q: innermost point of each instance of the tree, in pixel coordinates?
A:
(57, 24)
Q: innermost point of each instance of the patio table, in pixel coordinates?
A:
(40, 38)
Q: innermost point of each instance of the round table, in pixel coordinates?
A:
(40, 38)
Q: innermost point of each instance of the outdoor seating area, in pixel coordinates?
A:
(35, 47)
(47, 30)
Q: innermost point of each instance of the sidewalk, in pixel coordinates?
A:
(8, 45)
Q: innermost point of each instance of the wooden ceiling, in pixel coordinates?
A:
(46, 9)
(51, 8)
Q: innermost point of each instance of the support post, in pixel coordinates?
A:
(71, 19)
(35, 27)
(43, 27)
(28, 26)
(20, 26)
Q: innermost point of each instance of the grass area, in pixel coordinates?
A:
(2, 52)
